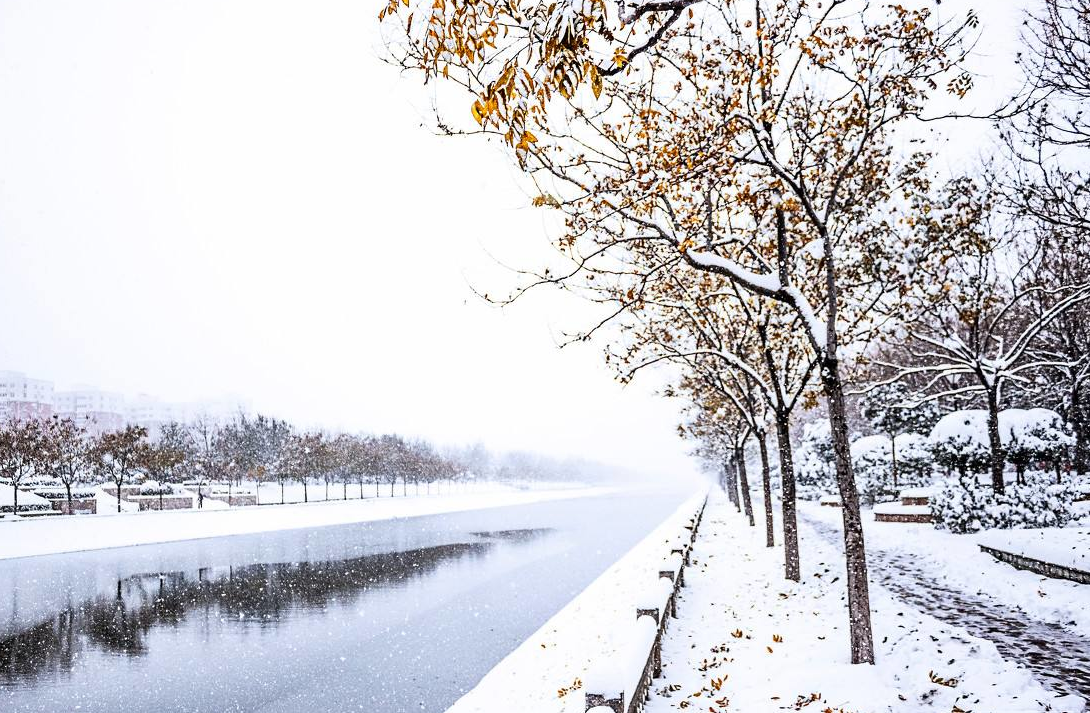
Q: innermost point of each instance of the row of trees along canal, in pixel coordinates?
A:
(255, 449)
(745, 191)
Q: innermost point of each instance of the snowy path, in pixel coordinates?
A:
(1057, 656)
(748, 640)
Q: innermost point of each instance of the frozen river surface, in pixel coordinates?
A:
(399, 615)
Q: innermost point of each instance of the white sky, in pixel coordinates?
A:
(207, 198)
(202, 198)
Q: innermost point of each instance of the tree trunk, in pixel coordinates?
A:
(766, 488)
(729, 479)
(996, 443)
(281, 492)
(743, 483)
(15, 497)
(787, 489)
(118, 495)
(305, 497)
(392, 487)
(1081, 453)
(345, 484)
(855, 555)
(68, 491)
(160, 498)
(893, 457)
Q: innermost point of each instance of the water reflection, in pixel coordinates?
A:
(248, 596)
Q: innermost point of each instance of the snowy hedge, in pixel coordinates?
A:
(815, 470)
(962, 505)
(873, 461)
(959, 441)
(1035, 435)
(28, 507)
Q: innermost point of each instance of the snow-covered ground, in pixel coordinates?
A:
(29, 537)
(748, 640)
(546, 673)
(956, 562)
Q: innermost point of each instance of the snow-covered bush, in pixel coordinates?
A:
(962, 505)
(872, 460)
(914, 462)
(815, 469)
(959, 441)
(1033, 436)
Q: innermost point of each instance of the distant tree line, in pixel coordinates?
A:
(253, 449)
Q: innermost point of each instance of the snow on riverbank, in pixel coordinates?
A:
(545, 674)
(957, 562)
(748, 640)
(31, 537)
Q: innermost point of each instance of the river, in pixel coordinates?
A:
(392, 616)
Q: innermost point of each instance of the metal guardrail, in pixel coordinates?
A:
(680, 554)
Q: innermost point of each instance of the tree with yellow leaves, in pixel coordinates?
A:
(679, 137)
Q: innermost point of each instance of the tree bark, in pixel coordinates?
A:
(766, 489)
(996, 443)
(893, 457)
(728, 485)
(1081, 451)
(787, 498)
(743, 483)
(855, 555)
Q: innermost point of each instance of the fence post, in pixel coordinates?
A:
(615, 704)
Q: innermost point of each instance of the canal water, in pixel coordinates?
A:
(394, 616)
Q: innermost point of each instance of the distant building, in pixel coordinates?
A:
(24, 398)
(97, 411)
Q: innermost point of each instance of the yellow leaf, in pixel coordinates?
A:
(595, 81)
(478, 111)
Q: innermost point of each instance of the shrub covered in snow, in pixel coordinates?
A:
(914, 462)
(1035, 435)
(872, 460)
(959, 441)
(815, 470)
(962, 505)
